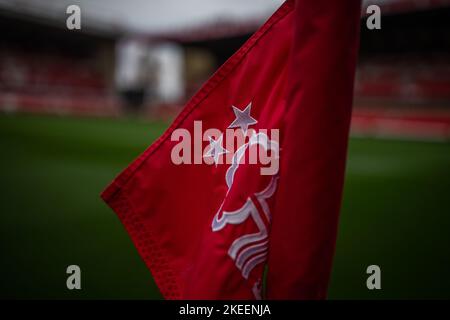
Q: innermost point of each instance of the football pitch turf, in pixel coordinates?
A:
(396, 212)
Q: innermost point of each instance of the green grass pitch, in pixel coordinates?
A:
(396, 213)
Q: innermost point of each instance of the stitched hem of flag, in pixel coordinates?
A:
(149, 249)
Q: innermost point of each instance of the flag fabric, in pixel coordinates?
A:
(317, 120)
(250, 173)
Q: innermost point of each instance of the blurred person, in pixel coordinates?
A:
(131, 73)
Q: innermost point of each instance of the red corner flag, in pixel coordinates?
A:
(251, 171)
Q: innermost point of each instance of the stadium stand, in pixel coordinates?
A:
(47, 69)
(404, 68)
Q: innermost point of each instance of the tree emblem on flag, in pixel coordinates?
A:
(248, 250)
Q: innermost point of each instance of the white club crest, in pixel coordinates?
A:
(248, 250)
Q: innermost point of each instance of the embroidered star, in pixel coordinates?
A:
(215, 149)
(243, 118)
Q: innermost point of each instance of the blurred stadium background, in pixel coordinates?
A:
(76, 106)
